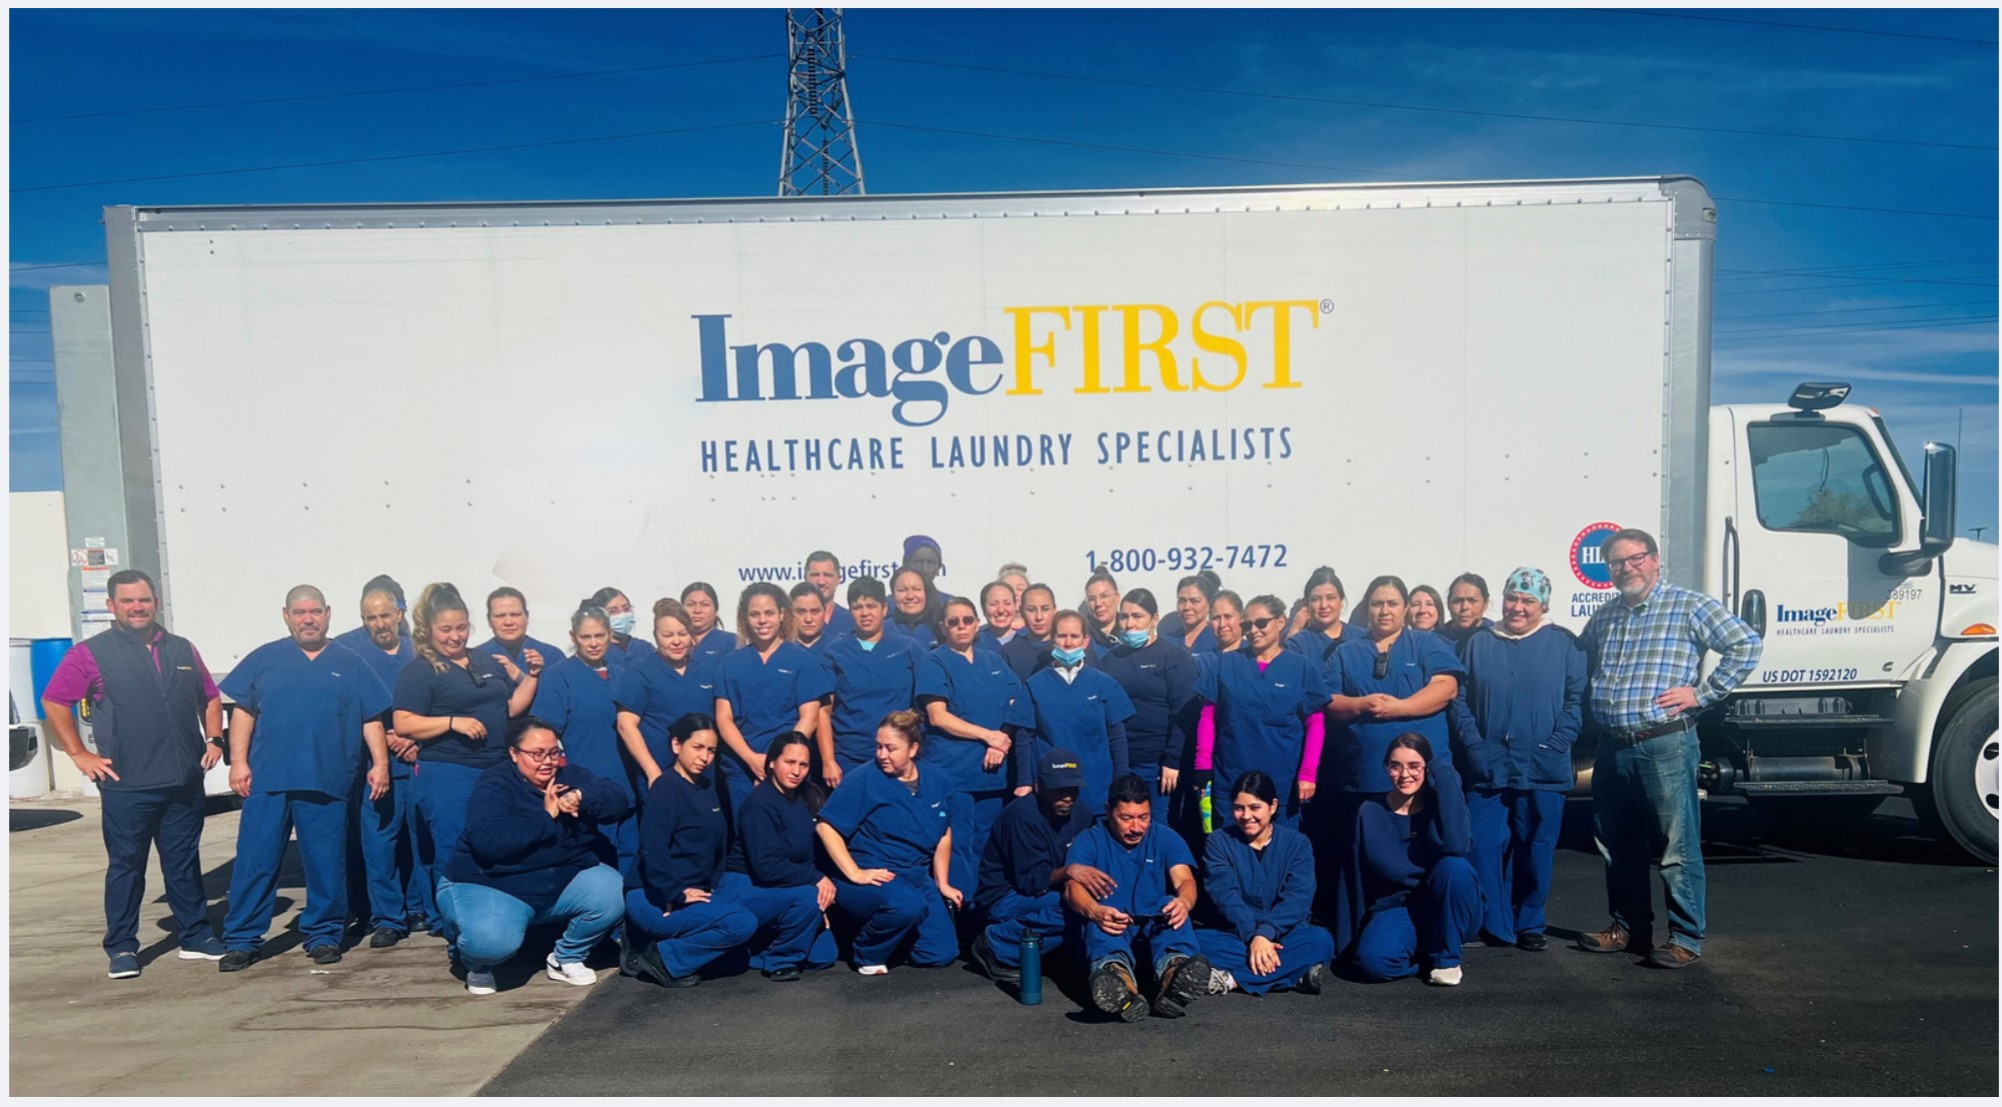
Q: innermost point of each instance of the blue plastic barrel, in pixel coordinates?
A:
(44, 654)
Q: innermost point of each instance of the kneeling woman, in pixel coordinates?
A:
(675, 923)
(533, 853)
(1407, 891)
(889, 832)
(771, 866)
(1260, 877)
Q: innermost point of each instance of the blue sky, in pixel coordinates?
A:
(1879, 298)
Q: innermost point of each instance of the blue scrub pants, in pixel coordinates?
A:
(491, 923)
(791, 932)
(1426, 927)
(268, 819)
(443, 789)
(1151, 773)
(399, 883)
(691, 936)
(134, 822)
(1015, 915)
(1644, 806)
(1100, 947)
(1300, 949)
(907, 910)
(1515, 848)
(1330, 828)
(973, 815)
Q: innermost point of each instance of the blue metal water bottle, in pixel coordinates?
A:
(1032, 967)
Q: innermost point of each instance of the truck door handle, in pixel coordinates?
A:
(1753, 611)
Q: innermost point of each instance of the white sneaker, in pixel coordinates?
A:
(1445, 978)
(872, 970)
(479, 982)
(572, 973)
(1221, 982)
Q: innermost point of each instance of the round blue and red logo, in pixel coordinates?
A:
(1588, 559)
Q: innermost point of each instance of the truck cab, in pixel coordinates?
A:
(1878, 674)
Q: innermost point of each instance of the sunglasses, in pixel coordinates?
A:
(1259, 625)
(961, 621)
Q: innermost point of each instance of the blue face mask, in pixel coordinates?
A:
(622, 623)
(1133, 638)
(867, 646)
(1066, 657)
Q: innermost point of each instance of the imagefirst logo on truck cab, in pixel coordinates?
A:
(1091, 349)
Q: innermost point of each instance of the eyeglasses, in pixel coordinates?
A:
(539, 756)
(1259, 625)
(961, 621)
(1633, 562)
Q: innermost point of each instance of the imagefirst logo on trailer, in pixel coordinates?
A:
(1092, 349)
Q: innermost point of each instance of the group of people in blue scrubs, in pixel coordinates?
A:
(1179, 800)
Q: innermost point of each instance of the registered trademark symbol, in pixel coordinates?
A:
(1327, 307)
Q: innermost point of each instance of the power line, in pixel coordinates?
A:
(1383, 105)
(1854, 207)
(1749, 274)
(391, 91)
(399, 157)
(1796, 26)
(1797, 332)
(1810, 273)
(1770, 329)
(1854, 310)
(1738, 292)
(52, 265)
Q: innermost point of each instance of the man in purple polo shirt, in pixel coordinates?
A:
(157, 719)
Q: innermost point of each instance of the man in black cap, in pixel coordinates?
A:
(1022, 871)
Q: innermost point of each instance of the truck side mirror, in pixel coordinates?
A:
(1938, 514)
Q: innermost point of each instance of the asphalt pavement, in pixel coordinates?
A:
(1857, 960)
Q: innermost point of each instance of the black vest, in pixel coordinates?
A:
(148, 721)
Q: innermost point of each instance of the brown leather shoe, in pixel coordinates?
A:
(1672, 956)
(1613, 939)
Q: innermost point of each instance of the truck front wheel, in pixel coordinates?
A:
(1961, 796)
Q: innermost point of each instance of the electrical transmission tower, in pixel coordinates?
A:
(820, 158)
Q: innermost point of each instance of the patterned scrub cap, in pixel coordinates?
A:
(1534, 582)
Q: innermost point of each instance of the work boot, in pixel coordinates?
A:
(1613, 939)
(1114, 992)
(1182, 981)
(1672, 956)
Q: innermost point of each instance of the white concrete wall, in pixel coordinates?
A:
(37, 566)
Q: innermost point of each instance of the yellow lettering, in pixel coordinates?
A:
(1282, 335)
(1026, 348)
(1092, 383)
(1216, 344)
(1164, 360)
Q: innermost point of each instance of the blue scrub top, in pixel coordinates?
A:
(1261, 716)
(1320, 649)
(1358, 747)
(577, 700)
(714, 646)
(986, 639)
(888, 826)
(920, 632)
(1140, 874)
(868, 684)
(1078, 715)
(765, 694)
(1205, 642)
(552, 655)
(984, 692)
(651, 689)
(839, 621)
(385, 666)
(310, 712)
(1026, 655)
(480, 690)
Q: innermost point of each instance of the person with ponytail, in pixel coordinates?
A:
(1079, 709)
(1193, 597)
(1325, 631)
(712, 639)
(974, 705)
(455, 704)
(1159, 677)
(771, 869)
(576, 697)
(766, 687)
(622, 621)
(654, 691)
(1259, 877)
(1262, 710)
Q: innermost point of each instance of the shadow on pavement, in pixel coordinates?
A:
(19, 819)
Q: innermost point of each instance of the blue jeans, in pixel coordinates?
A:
(268, 819)
(1014, 915)
(908, 911)
(1644, 807)
(1100, 947)
(443, 789)
(134, 822)
(1515, 849)
(1426, 927)
(1301, 949)
(791, 931)
(399, 883)
(491, 923)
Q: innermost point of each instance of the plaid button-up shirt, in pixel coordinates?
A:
(1637, 653)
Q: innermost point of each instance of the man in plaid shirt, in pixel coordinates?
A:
(1645, 651)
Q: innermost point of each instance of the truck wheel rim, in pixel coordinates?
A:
(1985, 775)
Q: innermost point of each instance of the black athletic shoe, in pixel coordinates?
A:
(651, 967)
(384, 937)
(982, 952)
(629, 963)
(325, 955)
(783, 976)
(1313, 980)
(1114, 992)
(235, 960)
(1531, 943)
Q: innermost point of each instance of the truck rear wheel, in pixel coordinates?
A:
(1961, 795)
(1815, 810)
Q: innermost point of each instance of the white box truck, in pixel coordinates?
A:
(1419, 379)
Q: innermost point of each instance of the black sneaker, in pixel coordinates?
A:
(324, 955)
(1313, 980)
(783, 976)
(982, 952)
(629, 964)
(417, 923)
(1114, 992)
(384, 937)
(651, 967)
(1531, 943)
(236, 960)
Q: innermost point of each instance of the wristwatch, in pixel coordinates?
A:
(218, 741)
